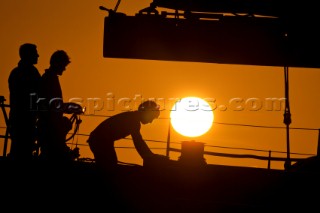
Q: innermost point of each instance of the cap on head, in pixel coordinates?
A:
(150, 106)
(59, 57)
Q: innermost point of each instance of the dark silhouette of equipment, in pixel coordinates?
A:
(76, 110)
(6, 137)
(192, 154)
(228, 32)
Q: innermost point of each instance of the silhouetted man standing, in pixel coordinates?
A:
(53, 126)
(23, 84)
(102, 138)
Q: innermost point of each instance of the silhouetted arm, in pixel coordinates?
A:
(141, 146)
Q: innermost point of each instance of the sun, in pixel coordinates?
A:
(191, 116)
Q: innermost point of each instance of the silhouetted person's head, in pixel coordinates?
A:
(58, 61)
(150, 110)
(28, 53)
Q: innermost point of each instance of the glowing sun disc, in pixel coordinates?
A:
(191, 116)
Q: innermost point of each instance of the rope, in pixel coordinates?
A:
(117, 5)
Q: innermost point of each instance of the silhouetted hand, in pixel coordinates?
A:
(156, 160)
(74, 153)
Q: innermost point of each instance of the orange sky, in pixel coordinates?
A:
(77, 27)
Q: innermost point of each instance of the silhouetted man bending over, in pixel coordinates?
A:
(24, 83)
(102, 138)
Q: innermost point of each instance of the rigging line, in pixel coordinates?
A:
(78, 130)
(171, 148)
(257, 150)
(168, 139)
(213, 146)
(243, 156)
(117, 5)
(132, 147)
(75, 132)
(81, 134)
(104, 116)
(128, 138)
(234, 148)
(287, 114)
(72, 143)
(286, 77)
(129, 164)
(156, 141)
(223, 147)
(236, 124)
(249, 125)
(108, 116)
(69, 143)
(261, 126)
